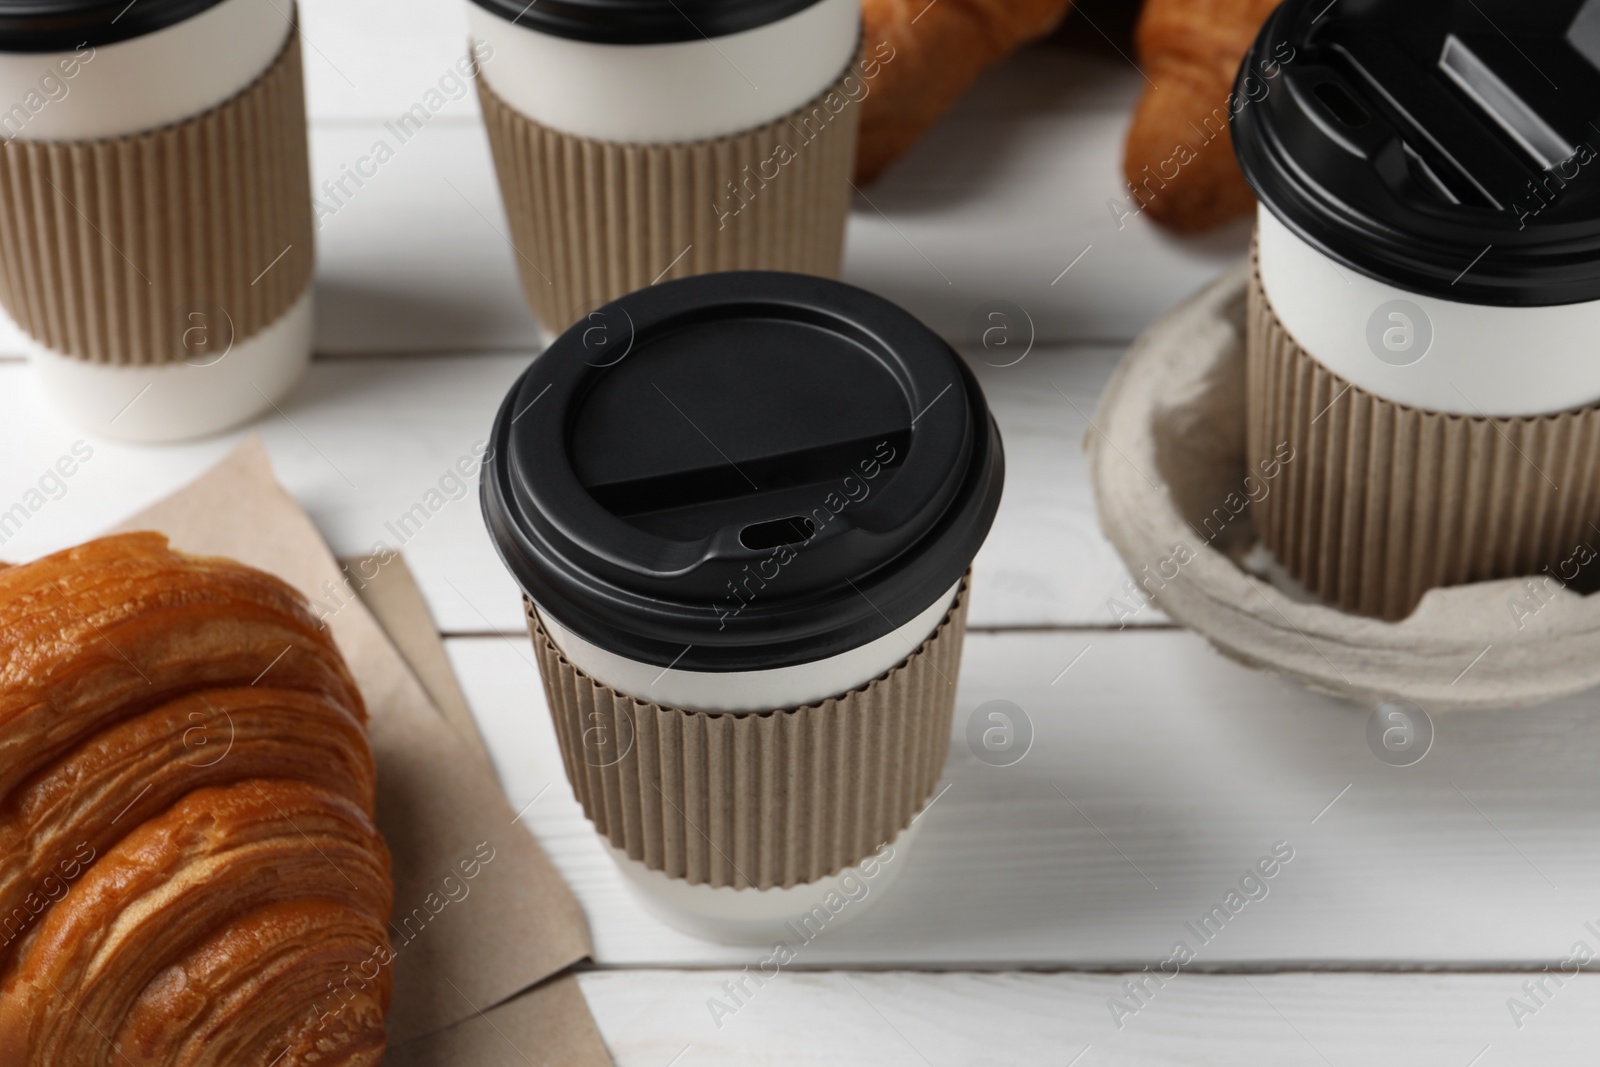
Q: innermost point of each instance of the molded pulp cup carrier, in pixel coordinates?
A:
(1427, 298)
(159, 232)
(741, 507)
(641, 139)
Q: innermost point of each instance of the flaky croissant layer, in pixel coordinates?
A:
(189, 869)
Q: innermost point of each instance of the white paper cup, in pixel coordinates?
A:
(657, 142)
(199, 123)
(1422, 390)
(750, 649)
(750, 915)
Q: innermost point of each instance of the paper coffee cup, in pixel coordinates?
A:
(741, 507)
(154, 209)
(666, 140)
(1420, 369)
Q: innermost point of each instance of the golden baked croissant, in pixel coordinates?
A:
(140, 768)
(119, 624)
(919, 57)
(1179, 160)
(189, 869)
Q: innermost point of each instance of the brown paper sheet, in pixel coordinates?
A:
(163, 246)
(396, 601)
(764, 799)
(536, 1028)
(592, 220)
(1382, 502)
(518, 923)
(552, 1021)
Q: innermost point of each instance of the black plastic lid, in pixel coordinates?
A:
(66, 25)
(1447, 147)
(643, 21)
(742, 471)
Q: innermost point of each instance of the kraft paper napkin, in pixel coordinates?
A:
(457, 954)
(552, 1021)
(395, 600)
(538, 1028)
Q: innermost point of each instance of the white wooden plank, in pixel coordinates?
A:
(1000, 197)
(418, 257)
(1046, 562)
(360, 445)
(362, 442)
(1008, 190)
(376, 58)
(997, 200)
(804, 1019)
(1185, 769)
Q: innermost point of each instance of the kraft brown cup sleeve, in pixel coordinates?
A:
(592, 220)
(109, 249)
(764, 799)
(1381, 502)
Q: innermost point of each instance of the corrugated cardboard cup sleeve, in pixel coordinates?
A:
(764, 799)
(167, 245)
(592, 220)
(1381, 502)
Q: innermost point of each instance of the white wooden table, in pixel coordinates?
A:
(1418, 900)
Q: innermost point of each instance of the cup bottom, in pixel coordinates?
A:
(731, 916)
(176, 401)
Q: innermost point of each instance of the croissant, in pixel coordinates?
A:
(109, 628)
(140, 768)
(189, 869)
(919, 57)
(1179, 160)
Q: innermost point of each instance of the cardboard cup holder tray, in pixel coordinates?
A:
(1167, 460)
